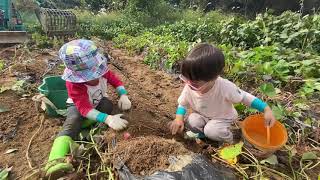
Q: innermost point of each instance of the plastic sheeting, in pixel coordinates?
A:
(199, 169)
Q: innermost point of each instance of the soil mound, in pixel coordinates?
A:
(145, 155)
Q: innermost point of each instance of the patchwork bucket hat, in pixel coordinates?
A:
(83, 61)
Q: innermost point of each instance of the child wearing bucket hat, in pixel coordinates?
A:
(211, 97)
(86, 75)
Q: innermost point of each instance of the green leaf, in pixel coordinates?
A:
(308, 121)
(304, 31)
(273, 160)
(4, 88)
(267, 68)
(309, 156)
(268, 89)
(238, 66)
(302, 106)
(4, 173)
(267, 39)
(18, 86)
(278, 111)
(240, 107)
(1, 64)
(297, 114)
(308, 62)
(230, 153)
(317, 86)
(284, 35)
(62, 112)
(288, 40)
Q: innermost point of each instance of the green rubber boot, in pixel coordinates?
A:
(57, 165)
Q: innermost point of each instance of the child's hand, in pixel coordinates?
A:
(116, 122)
(269, 117)
(124, 103)
(176, 126)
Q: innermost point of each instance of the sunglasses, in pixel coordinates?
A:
(194, 86)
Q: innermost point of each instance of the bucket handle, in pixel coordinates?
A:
(41, 98)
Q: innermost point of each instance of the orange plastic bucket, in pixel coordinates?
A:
(255, 132)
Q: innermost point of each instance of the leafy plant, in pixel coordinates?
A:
(231, 153)
(278, 111)
(161, 51)
(288, 29)
(1, 64)
(309, 156)
(4, 173)
(150, 12)
(273, 160)
(43, 41)
(107, 29)
(268, 89)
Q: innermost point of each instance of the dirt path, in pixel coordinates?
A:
(153, 94)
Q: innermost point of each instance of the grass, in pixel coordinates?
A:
(190, 15)
(172, 16)
(218, 15)
(100, 18)
(212, 16)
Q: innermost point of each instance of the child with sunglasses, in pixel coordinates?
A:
(211, 97)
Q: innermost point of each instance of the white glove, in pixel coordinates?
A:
(116, 122)
(124, 103)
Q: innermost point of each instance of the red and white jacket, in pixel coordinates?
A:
(86, 97)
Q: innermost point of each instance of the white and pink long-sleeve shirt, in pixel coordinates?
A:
(218, 102)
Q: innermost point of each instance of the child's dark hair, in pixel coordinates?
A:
(203, 63)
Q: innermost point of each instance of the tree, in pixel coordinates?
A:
(67, 4)
(195, 4)
(26, 5)
(149, 12)
(97, 5)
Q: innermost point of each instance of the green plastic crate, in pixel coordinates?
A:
(54, 88)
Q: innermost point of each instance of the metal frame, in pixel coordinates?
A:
(57, 22)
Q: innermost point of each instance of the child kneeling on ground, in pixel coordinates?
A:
(211, 97)
(86, 75)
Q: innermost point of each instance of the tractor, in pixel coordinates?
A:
(54, 22)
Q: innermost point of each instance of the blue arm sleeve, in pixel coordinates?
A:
(181, 110)
(121, 90)
(101, 117)
(258, 104)
(96, 115)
